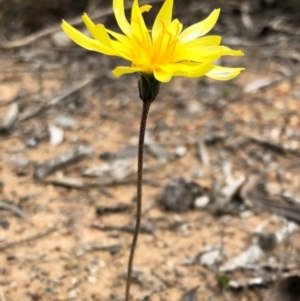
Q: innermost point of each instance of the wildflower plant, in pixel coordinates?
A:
(156, 55)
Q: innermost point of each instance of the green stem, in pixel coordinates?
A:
(143, 122)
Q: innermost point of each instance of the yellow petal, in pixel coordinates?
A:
(126, 44)
(121, 38)
(138, 26)
(228, 51)
(224, 73)
(188, 69)
(118, 8)
(85, 42)
(97, 31)
(174, 28)
(203, 54)
(117, 72)
(199, 54)
(89, 25)
(201, 42)
(163, 18)
(199, 29)
(162, 76)
(102, 35)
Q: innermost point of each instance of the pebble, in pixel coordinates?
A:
(180, 151)
(65, 121)
(49, 290)
(4, 224)
(71, 264)
(194, 108)
(72, 295)
(201, 202)
(106, 156)
(31, 142)
(246, 214)
(93, 270)
(92, 279)
(211, 258)
(56, 135)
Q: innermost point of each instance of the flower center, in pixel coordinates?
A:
(150, 53)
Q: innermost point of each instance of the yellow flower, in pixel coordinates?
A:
(164, 51)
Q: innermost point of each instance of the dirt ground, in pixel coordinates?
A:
(65, 233)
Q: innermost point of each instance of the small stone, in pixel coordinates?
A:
(267, 241)
(180, 151)
(61, 298)
(211, 258)
(4, 224)
(72, 295)
(92, 279)
(246, 214)
(49, 290)
(32, 142)
(106, 156)
(65, 121)
(115, 250)
(179, 195)
(194, 108)
(93, 270)
(74, 281)
(201, 202)
(71, 264)
(20, 165)
(79, 252)
(56, 135)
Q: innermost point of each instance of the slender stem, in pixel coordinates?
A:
(145, 110)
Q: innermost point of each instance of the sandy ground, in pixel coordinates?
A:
(50, 246)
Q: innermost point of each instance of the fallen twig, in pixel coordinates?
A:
(250, 192)
(80, 183)
(14, 209)
(273, 146)
(114, 208)
(63, 94)
(160, 278)
(41, 234)
(127, 228)
(43, 169)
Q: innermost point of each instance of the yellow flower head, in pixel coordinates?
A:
(164, 51)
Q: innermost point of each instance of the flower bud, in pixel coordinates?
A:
(148, 87)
